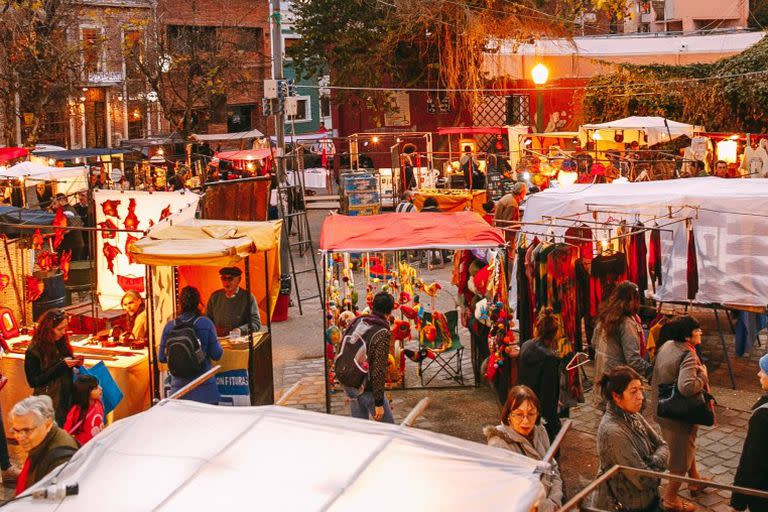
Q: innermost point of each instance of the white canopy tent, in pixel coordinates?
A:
(220, 137)
(65, 180)
(650, 130)
(183, 456)
(729, 219)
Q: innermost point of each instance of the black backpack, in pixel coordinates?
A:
(351, 363)
(183, 350)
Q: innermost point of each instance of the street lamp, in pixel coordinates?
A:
(540, 74)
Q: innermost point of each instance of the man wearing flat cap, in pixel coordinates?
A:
(232, 307)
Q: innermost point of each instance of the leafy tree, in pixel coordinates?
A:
(39, 63)
(192, 68)
(758, 10)
(730, 94)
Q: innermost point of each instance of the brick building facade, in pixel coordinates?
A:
(239, 109)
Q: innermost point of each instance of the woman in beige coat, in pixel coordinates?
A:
(677, 362)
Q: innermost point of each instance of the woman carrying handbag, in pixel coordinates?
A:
(677, 364)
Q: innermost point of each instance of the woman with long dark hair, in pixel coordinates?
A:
(539, 369)
(677, 362)
(49, 361)
(86, 417)
(618, 334)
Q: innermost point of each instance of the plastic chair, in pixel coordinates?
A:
(448, 361)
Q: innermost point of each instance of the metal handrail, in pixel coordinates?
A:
(574, 502)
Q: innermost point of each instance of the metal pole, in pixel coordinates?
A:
(277, 74)
(556, 442)
(539, 110)
(725, 347)
(323, 308)
(415, 412)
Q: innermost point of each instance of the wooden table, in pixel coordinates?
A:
(131, 373)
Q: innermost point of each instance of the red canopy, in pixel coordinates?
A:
(408, 231)
(245, 154)
(472, 130)
(7, 154)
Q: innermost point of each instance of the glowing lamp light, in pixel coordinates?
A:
(526, 176)
(727, 151)
(540, 74)
(734, 136)
(160, 151)
(597, 136)
(51, 162)
(249, 166)
(375, 139)
(604, 244)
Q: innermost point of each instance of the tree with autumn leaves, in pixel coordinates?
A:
(40, 65)
(438, 44)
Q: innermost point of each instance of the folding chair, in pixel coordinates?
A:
(447, 361)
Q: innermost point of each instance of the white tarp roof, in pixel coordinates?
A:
(38, 171)
(731, 230)
(183, 456)
(647, 44)
(657, 128)
(251, 134)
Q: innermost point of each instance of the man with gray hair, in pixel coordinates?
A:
(46, 445)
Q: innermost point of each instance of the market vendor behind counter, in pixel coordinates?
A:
(232, 307)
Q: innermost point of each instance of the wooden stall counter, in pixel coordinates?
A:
(452, 200)
(129, 368)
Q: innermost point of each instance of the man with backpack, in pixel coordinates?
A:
(188, 345)
(361, 365)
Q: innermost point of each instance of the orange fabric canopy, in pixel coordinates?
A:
(408, 231)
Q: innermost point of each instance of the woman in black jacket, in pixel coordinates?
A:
(539, 369)
(753, 465)
(49, 361)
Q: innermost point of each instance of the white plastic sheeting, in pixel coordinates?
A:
(731, 230)
(657, 129)
(185, 456)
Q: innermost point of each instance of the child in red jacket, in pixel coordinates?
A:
(86, 417)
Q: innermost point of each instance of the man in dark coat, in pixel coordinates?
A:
(753, 465)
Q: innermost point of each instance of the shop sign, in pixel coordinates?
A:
(105, 77)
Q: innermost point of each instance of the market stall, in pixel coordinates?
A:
(370, 251)
(190, 254)
(692, 241)
(452, 200)
(36, 180)
(128, 367)
(200, 457)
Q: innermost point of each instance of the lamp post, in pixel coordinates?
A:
(540, 74)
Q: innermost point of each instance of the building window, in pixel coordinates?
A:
(247, 39)
(133, 48)
(91, 39)
(518, 109)
(239, 118)
(188, 38)
(303, 110)
(325, 106)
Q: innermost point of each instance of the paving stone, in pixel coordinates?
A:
(718, 470)
(709, 500)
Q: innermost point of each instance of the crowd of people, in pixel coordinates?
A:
(634, 430)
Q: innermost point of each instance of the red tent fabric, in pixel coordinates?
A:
(408, 231)
(7, 154)
(245, 154)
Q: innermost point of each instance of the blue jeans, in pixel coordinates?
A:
(361, 405)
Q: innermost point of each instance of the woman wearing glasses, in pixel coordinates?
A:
(521, 432)
(677, 362)
(49, 362)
